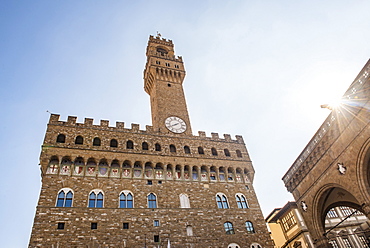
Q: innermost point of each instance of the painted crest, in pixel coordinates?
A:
(53, 169)
(169, 174)
(103, 171)
(114, 172)
(79, 170)
(126, 173)
(137, 173)
(159, 174)
(65, 169)
(148, 173)
(91, 170)
(238, 178)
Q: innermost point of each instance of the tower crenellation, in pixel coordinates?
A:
(135, 128)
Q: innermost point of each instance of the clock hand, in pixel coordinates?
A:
(175, 124)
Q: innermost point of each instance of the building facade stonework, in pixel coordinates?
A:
(333, 169)
(113, 186)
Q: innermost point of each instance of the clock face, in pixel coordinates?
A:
(175, 124)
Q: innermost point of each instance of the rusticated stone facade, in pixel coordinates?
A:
(333, 169)
(105, 186)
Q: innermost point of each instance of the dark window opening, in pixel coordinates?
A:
(156, 238)
(239, 153)
(200, 150)
(61, 138)
(172, 148)
(113, 143)
(150, 182)
(214, 151)
(79, 140)
(60, 226)
(157, 147)
(125, 226)
(169, 85)
(145, 146)
(186, 149)
(96, 142)
(162, 51)
(94, 225)
(130, 145)
(227, 153)
(159, 182)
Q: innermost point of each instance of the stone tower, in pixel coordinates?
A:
(163, 77)
(112, 186)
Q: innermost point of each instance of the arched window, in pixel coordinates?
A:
(65, 198)
(126, 200)
(186, 149)
(145, 146)
(61, 138)
(200, 150)
(249, 227)
(157, 147)
(256, 245)
(96, 198)
(130, 144)
(79, 140)
(189, 230)
(195, 173)
(214, 151)
(229, 228)
(113, 143)
(152, 201)
(184, 201)
(239, 153)
(241, 201)
(96, 141)
(227, 153)
(221, 200)
(172, 148)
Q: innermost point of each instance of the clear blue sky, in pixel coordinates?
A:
(259, 69)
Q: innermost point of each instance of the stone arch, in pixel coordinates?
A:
(330, 196)
(148, 170)
(363, 172)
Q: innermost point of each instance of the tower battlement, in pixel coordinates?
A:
(135, 128)
(158, 39)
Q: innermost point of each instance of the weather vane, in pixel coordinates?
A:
(159, 34)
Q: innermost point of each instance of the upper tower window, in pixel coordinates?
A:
(200, 150)
(186, 149)
(227, 153)
(61, 138)
(239, 153)
(162, 51)
(145, 146)
(96, 141)
(214, 151)
(130, 145)
(113, 143)
(157, 147)
(79, 140)
(172, 148)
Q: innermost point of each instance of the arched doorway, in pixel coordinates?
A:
(340, 219)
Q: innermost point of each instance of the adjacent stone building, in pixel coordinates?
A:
(333, 170)
(344, 228)
(117, 186)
